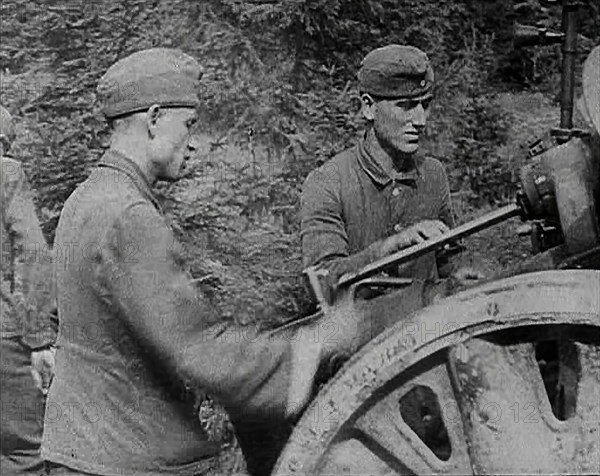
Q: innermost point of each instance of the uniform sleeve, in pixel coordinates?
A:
(323, 230)
(138, 270)
(33, 267)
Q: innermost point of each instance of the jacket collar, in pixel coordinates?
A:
(378, 165)
(116, 160)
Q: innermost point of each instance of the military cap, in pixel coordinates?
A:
(164, 76)
(7, 128)
(396, 71)
(591, 88)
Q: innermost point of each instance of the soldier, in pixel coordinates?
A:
(135, 338)
(28, 327)
(382, 195)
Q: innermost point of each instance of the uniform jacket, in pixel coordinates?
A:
(27, 299)
(135, 338)
(353, 201)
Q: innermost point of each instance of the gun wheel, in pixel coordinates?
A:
(500, 379)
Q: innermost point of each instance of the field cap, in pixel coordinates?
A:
(164, 76)
(396, 72)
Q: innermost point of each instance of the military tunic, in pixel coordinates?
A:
(26, 320)
(135, 339)
(356, 199)
(27, 299)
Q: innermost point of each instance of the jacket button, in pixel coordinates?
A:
(395, 192)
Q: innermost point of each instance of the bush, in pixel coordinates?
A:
(489, 178)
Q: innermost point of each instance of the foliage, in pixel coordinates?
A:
(487, 176)
(279, 99)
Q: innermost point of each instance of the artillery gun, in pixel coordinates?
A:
(468, 365)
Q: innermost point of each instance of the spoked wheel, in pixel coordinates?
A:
(500, 379)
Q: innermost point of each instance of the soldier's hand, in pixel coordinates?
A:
(413, 235)
(42, 368)
(343, 330)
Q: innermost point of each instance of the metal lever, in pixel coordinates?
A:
(318, 284)
(421, 249)
(527, 35)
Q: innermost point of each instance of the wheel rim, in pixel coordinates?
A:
(493, 413)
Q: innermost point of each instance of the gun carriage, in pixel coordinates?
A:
(458, 387)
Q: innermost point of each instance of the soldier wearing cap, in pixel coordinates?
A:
(28, 328)
(135, 338)
(382, 195)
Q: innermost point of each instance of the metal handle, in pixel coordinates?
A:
(421, 249)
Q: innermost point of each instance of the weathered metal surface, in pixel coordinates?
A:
(383, 425)
(508, 419)
(591, 91)
(574, 175)
(356, 426)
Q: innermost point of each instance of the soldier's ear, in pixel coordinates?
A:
(367, 106)
(152, 116)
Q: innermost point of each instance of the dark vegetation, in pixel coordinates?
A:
(279, 99)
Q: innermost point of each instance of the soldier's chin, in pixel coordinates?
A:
(409, 148)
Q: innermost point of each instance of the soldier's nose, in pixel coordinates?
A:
(419, 116)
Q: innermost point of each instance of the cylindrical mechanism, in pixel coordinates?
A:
(562, 187)
(575, 175)
(537, 197)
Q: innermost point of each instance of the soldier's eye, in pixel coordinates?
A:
(406, 104)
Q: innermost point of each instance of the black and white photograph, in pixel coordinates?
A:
(300, 237)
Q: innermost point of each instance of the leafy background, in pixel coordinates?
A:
(279, 98)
